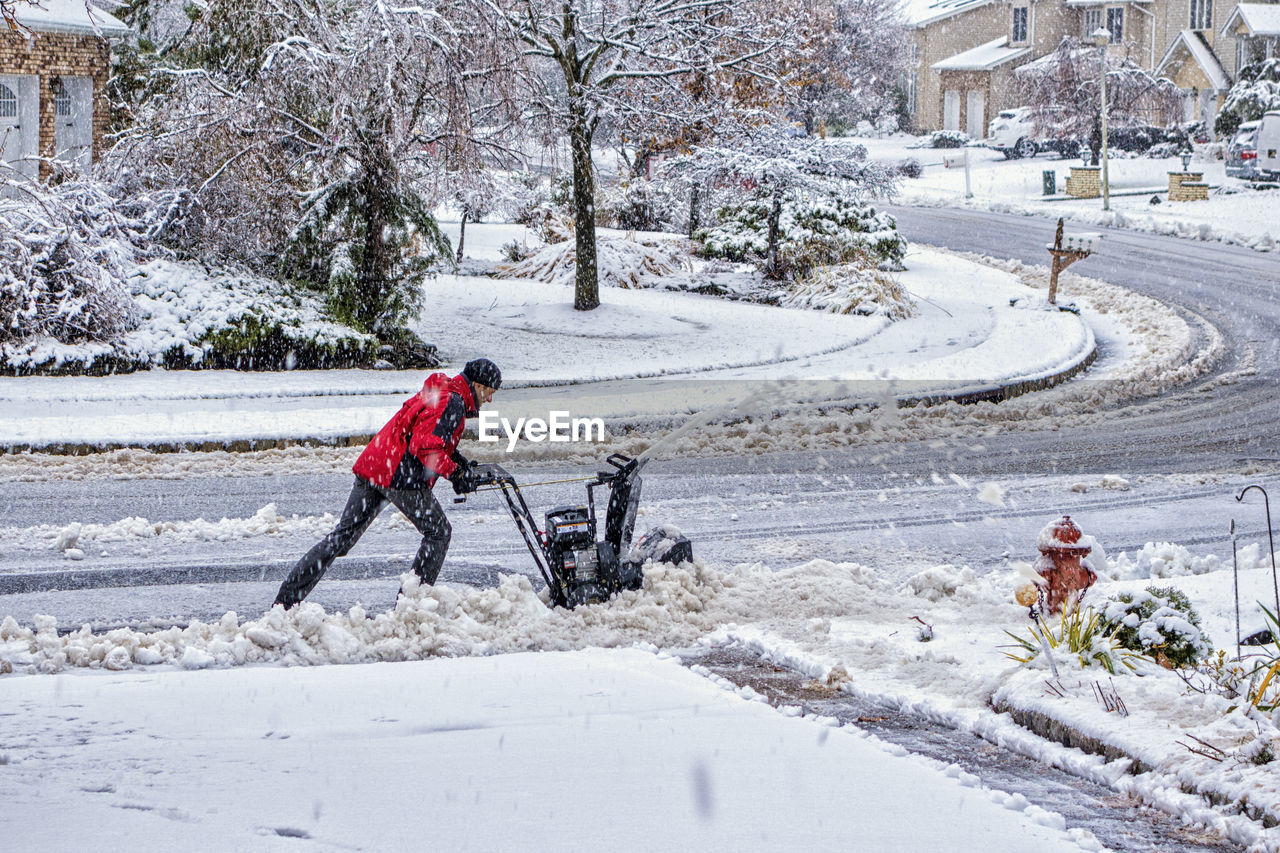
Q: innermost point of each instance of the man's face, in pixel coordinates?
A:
(483, 394)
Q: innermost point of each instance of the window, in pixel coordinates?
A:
(8, 102)
(61, 100)
(1019, 25)
(1092, 23)
(1201, 14)
(1115, 23)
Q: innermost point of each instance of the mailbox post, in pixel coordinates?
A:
(1066, 251)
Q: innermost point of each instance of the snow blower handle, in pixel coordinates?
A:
(480, 474)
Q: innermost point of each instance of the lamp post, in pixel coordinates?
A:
(1102, 37)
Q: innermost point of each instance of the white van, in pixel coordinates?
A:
(1269, 146)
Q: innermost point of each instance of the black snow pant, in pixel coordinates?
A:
(363, 506)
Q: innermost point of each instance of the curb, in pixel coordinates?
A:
(992, 393)
(1057, 731)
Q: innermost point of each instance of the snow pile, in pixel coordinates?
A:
(1167, 560)
(839, 622)
(677, 606)
(619, 262)
(267, 521)
(939, 582)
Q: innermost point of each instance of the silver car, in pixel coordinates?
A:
(1242, 152)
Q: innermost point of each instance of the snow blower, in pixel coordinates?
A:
(578, 565)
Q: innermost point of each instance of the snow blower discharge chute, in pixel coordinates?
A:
(578, 565)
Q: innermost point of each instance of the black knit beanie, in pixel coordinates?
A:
(482, 371)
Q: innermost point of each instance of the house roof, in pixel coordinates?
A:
(984, 57)
(1194, 44)
(1259, 19)
(1076, 3)
(69, 16)
(1051, 59)
(919, 13)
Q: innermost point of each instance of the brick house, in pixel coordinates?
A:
(965, 51)
(53, 80)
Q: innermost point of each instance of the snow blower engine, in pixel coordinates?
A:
(578, 565)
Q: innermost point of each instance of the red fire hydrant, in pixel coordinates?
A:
(1062, 564)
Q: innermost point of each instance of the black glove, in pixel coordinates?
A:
(464, 477)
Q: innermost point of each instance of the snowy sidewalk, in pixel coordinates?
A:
(644, 355)
(584, 750)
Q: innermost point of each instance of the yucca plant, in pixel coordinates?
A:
(1268, 670)
(1083, 632)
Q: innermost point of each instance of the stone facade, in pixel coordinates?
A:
(51, 57)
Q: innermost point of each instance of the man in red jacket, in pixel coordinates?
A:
(400, 466)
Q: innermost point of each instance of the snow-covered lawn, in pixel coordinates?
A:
(1234, 213)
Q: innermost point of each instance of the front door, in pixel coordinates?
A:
(975, 106)
(951, 109)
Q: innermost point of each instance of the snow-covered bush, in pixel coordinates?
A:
(813, 232)
(909, 168)
(946, 139)
(763, 175)
(1257, 90)
(621, 263)
(65, 254)
(638, 204)
(190, 317)
(1158, 622)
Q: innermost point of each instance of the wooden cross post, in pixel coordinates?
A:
(1062, 258)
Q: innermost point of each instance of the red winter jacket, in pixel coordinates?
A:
(415, 446)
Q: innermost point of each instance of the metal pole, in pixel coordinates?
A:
(1271, 542)
(968, 188)
(1235, 575)
(1106, 183)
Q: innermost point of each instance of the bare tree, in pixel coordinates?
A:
(1063, 88)
(849, 55)
(589, 61)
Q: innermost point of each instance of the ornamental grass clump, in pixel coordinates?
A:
(1083, 633)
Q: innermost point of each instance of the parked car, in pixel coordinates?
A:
(1242, 152)
(1017, 133)
(1269, 146)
